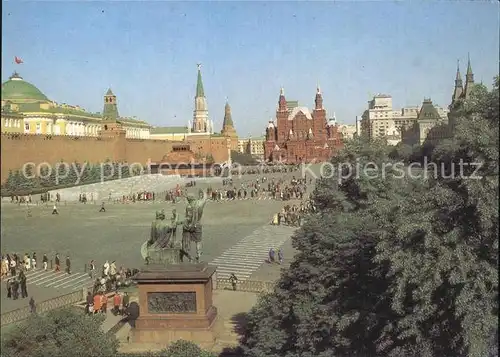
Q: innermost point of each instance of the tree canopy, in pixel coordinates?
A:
(59, 333)
(394, 265)
(70, 332)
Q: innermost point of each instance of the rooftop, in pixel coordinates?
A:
(169, 130)
(16, 89)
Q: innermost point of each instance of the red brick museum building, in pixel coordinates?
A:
(299, 136)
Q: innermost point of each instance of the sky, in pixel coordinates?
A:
(147, 52)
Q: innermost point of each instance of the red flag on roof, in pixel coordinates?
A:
(18, 60)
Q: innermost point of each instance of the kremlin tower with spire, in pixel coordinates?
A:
(301, 136)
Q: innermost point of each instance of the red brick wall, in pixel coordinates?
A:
(18, 149)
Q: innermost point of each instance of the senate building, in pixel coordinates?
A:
(37, 129)
(25, 109)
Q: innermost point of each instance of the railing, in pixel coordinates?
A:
(45, 306)
(254, 286)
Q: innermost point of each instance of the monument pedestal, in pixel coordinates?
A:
(175, 302)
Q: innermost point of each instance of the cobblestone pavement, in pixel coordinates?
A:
(83, 233)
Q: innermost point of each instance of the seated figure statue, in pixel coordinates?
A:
(161, 246)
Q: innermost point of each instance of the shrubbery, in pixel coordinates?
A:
(28, 181)
(70, 332)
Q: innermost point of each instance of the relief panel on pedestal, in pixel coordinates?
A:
(172, 302)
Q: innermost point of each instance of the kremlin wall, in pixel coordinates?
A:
(37, 130)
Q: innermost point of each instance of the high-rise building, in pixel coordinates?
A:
(381, 120)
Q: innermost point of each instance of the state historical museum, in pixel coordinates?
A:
(299, 136)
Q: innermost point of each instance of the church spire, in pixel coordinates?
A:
(318, 101)
(227, 124)
(228, 120)
(201, 123)
(469, 67)
(469, 78)
(457, 93)
(199, 84)
(282, 100)
(458, 78)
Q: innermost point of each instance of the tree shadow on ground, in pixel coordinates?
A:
(240, 323)
(231, 352)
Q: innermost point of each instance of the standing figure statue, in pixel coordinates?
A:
(192, 228)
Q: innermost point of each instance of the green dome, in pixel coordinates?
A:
(16, 89)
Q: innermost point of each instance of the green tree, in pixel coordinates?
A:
(60, 333)
(180, 348)
(402, 152)
(333, 300)
(392, 266)
(243, 159)
(444, 250)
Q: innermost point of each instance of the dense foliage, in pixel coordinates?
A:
(180, 348)
(60, 333)
(69, 332)
(393, 265)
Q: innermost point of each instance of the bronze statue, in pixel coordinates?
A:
(161, 241)
(192, 228)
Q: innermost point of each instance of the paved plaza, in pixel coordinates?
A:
(237, 238)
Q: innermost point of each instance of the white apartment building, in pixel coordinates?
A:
(382, 120)
(252, 146)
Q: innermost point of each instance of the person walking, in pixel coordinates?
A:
(102, 207)
(68, 265)
(45, 262)
(22, 283)
(9, 288)
(280, 256)
(125, 302)
(104, 300)
(105, 268)
(15, 289)
(233, 279)
(271, 255)
(32, 305)
(91, 269)
(58, 262)
(54, 210)
(27, 261)
(90, 301)
(13, 264)
(97, 303)
(117, 300)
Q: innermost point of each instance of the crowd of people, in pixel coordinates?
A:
(110, 278)
(97, 302)
(13, 263)
(13, 269)
(291, 215)
(266, 169)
